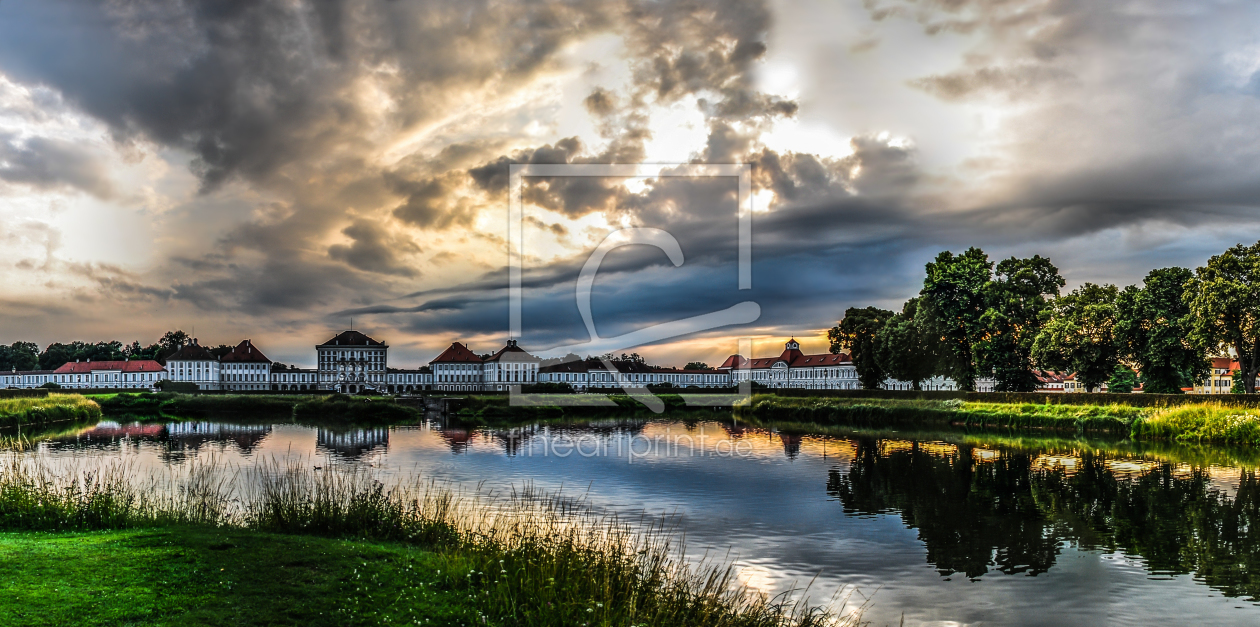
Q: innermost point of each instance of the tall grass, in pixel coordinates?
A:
(172, 403)
(1208, 422)
(1202, 423)
(524, 558)
(43, 410)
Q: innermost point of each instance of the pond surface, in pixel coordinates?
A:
(945, 529)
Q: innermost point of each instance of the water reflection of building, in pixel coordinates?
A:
(110, 431)
(791, 445)
(354, 442)
(512, 439)
(456, 438)
(195, 434)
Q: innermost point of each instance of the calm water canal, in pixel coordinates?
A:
(949, 529)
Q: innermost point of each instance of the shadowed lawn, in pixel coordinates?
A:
(197, 576)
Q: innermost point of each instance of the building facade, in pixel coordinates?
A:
(195, 364)
(510, 366)
(245, 369)
(794, 369)
(138, 374)
(26, 378)
(594, 374)
(352, 362)
(408, 381)
(288, 379)
(457, 369)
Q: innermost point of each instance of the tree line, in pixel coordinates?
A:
(27, 355)
(974, 319)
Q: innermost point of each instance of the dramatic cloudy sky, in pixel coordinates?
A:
(272, 169)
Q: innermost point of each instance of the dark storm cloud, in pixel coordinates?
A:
(1128, 119)
(375, 250)
(45, 163)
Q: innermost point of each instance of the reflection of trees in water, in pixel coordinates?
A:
(1005, 514)
(352, 443)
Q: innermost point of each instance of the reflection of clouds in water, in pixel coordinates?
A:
(769, 508)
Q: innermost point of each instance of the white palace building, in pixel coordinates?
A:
(353, 362)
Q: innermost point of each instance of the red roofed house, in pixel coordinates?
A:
(245, 368)
(794, 369)
(1221, 379)
(127, 374)
(457, 369)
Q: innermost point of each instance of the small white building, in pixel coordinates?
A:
(510, 366)
(408, 381)
(286, 379)
(26, 379)
(132, 374)
(195, 364)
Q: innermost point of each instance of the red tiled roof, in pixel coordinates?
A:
(85, 367)
(245, 352)
(352, 338)
(826, 359)
(797, 360)
(456, 353)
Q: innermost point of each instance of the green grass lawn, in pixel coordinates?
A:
(199, 576)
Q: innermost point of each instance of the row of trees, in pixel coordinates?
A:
(974, 318)
(27, 356)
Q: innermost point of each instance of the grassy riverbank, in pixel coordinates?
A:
(204, 576)
(1205, 422)
(380, 554)
(47, 409)
(172, 403)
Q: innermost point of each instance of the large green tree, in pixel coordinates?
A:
(857, 333)
(904, 349)
(1081, 335)
(1224, 298)
(1017, 309)
(19, 356)
(1122, 380)
(1155, 329)
(172, 341)
(952, 303)
(57, 354)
